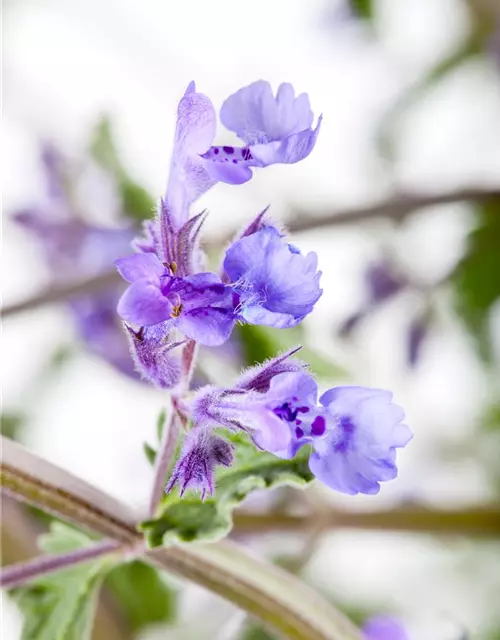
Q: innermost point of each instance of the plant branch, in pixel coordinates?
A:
(61, 292)
(480, 522)
(286, 605)
(33, 480)
(396, 208)
(279, 599)
(17, 574)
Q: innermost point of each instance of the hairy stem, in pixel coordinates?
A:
(22, 572)
(166, 451)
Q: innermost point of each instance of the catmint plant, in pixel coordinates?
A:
(352, 432)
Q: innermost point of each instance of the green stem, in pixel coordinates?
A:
(477, 522)
(281, 602)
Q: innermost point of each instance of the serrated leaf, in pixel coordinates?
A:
(143, 593)
(260, 343)
(188, 519)
(61, 605)
(137, 203)
(477, 277)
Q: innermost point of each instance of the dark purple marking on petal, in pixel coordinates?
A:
(318, 426)
(299, 433)
(246, 154)
(216, 150)
(228, 149)
(298, 421)
(235, 161)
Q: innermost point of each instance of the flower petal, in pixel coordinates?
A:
(210, 326)
(143, 304)
(139, 265)
(188, 179)
(291, 149)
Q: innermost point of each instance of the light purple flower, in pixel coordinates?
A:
(275, 130)
(275, 285)
(199, 305)
(362, 431)
(201, 453)
(384, 628)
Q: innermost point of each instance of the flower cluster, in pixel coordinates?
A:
(353, 432)
(264, 280)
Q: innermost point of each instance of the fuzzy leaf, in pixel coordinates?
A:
(261, 343)
(477, 277)
(137, 203)
(61, 605)
(187, 519)
(144, 594)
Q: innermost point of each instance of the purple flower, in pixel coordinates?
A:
(199, 305)
(275, 130)
(384, 628)
(274, 284)
(416, 334)
(201, 453)
(383, 282)
(362, 429)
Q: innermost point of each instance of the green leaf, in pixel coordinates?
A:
(137, 203)
(260, 343)
(61, 605)
(150, 452)
(160, 423)
(143, 593)
(11, 424)
(363, 8)
(189, 518)
(477, 277)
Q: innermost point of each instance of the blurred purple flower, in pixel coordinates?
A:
(382, 282)
(384, 628)
(75, 250)
(417, 332)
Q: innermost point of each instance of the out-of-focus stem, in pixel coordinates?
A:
(22, 572)
(480, 522)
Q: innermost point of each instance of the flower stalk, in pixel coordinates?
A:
(20, 573)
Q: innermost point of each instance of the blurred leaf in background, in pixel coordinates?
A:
(62, 605)
(261, 343)
(477, 278)
(143, 594)
(137, 202)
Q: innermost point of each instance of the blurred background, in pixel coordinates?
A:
(401, 201)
